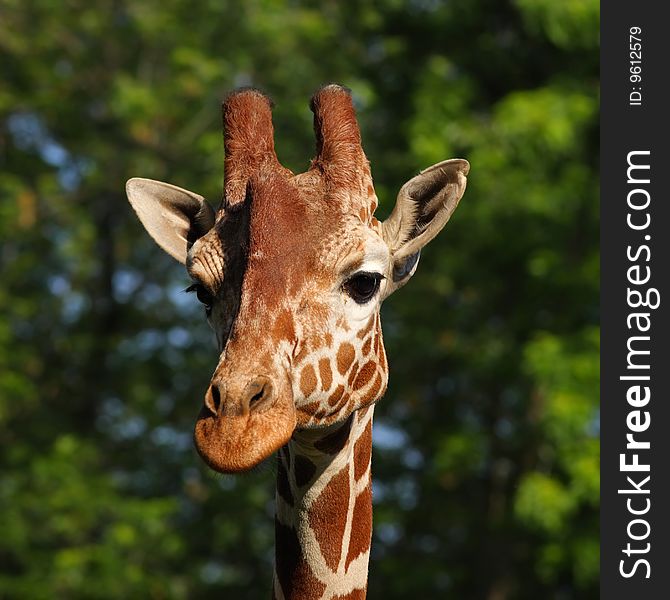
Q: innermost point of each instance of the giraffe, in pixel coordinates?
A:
(292, 270)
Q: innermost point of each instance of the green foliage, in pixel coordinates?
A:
(487, 454)
(74, 534)
(569, 24)
(543, 503)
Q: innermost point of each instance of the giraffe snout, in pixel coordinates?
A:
(243, 421)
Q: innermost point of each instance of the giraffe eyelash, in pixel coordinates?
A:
(204, 296)
(361, 287)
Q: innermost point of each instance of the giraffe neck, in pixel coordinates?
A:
(323, 522)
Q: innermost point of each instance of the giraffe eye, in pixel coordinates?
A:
(203, 295)
(361, 287)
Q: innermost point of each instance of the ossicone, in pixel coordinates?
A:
(339, 153)
(248, 137)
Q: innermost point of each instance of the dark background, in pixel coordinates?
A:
(487, 443)
(628, 128)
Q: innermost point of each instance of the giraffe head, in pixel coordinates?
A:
(292, 270)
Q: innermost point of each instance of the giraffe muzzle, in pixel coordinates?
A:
(236, 429)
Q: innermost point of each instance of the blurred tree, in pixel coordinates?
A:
(487, 454)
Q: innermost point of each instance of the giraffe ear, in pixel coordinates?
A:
(423, 207)
(175, 218)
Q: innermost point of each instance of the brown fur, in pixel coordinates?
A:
(362, 450)
(284, 327)
(293, 572)
(307, 380)
(376, 390)
(362, 532)
(365, 374)
(339, 155)
(336, 396)
(326, 374)
(345, 357)
(362, 334)
(328, 524)
(248, 141)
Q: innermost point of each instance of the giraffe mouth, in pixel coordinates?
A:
(234, 443)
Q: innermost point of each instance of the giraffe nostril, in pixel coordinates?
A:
(213, 398)
(256, 398)
(259, 394)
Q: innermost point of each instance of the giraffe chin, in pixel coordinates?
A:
(237, 443)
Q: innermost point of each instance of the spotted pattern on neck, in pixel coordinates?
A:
(323, 521)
